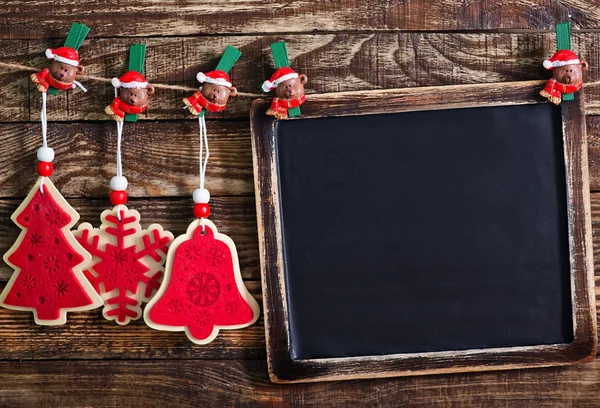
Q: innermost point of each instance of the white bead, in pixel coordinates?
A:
(201, 195)
(118, 183)
(45, 154)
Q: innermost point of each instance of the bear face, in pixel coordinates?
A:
(292, 88)
(217, 94)
(136, 96)
(569, 74)
(64, 72)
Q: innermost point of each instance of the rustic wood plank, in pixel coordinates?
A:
(159, 159)
(87, 335)
(254, 16)
(234, 216)
(593, 139)
(333, 63)
(220, 383)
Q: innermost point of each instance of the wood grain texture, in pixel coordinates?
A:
(333, 63)
(159, 159)
(87, 335)
(244, 383)
(21, 19)
(234, 216)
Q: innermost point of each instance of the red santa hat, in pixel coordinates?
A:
(65, 55)
(214, 77)
(130, 79)
(562, 58)
(281, 75)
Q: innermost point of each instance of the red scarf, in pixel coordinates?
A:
(288, 103)
(55, 83)
(126, 108)
(209, 106)
(562, 88)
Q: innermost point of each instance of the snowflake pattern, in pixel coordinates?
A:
(231, 308)
(203, 317)
(191, 253)
(53, 217)
(175, 306)
(29, 282)
(203, 289)
(35, 239)
(51, 264)
(127, 264)
(61, 288)
(214, 256)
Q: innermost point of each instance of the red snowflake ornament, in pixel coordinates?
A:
(47, 260)
(127, 262)
(202, 291)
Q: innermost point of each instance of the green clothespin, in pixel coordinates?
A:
(137, 58)
(563, 42)
(75, 38)
(280, 56)
(227, 61)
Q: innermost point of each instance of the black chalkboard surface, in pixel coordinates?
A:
(425, 231)
(423, 239)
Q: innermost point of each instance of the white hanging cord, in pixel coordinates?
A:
(119, 164)
(77, 83)
(44, 133)
(203, 161)
(119, 137)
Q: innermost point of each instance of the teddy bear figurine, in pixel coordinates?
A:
(63, 70)
(213, 94)
(567, 75)
(289, 91)
(133, 95)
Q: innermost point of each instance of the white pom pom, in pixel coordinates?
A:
(118, 183)
(115, 82)
(266, 86)
(547, 64)
(201, 77)
(49, 53)
(201, 195)
(45, 154)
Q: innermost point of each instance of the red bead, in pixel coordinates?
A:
(201, 210)
(45, 169)
(118, 197)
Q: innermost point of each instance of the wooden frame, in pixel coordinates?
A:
(282, 369)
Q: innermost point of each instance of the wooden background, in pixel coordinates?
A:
(341, 45)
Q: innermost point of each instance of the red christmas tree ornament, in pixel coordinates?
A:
(127, 262)
(202, 291)
(47, 259)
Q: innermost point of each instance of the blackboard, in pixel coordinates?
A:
(422, 231)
